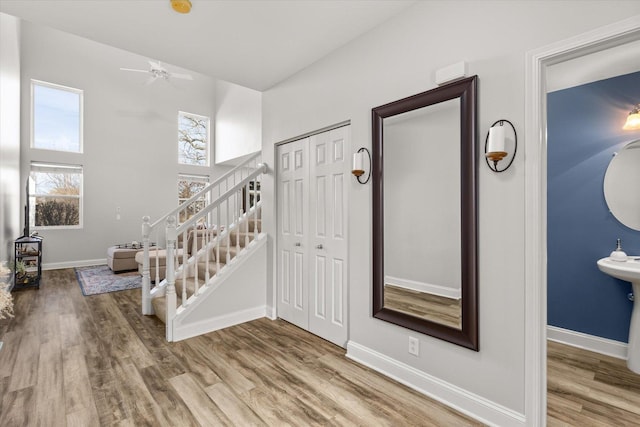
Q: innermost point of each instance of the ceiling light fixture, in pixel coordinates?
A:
(181, 6)
(633, 119)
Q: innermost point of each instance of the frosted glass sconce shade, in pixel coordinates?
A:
(495, 144)
(359, 163)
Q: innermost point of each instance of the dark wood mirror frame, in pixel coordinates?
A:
(465, 90)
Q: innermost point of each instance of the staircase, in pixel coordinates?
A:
(209, 259)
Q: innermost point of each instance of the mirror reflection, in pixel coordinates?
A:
(422, 263)
(622, 176)
(424, 188)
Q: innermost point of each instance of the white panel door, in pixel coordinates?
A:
(293, 223)
(329, 172)
(312, 236)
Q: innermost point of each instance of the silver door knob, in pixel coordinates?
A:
(298, 244)
(319, 246)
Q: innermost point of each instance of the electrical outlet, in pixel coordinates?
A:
(414, 346)
(118, 210)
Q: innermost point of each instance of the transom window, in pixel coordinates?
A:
(188, 186)
(193, 139)
(56, 117)
(55, 195)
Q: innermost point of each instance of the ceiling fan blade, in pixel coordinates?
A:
(182, 76)
(132, 69)
(150, 80)
(156, 65)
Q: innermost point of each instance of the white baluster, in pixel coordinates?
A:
(219, 229)
(170, 294)
(247, 204)
(205, 245)
(146, 279)
(185, 265)
(228, 232)
(255, 208)
(238, 216)
(194, 253)
(156, 266)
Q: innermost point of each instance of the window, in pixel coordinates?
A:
(55, 195)
(189, 185)
(56, 117)
(193, 139)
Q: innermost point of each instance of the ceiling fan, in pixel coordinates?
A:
(157, 71)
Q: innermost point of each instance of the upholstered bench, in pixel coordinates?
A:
(122, 259)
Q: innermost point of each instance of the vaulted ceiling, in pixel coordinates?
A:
(254, 43)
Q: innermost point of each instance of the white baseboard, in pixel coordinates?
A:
(428, 288)
(209, 325)
(451, 395)
(588, 342)
(271, 313)
(72, 264)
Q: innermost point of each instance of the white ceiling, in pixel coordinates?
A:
(254, 43)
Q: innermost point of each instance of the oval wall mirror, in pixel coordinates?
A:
(425, 213)
(620, 185)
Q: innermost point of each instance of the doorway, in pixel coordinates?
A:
(535, 198)
(311, 244)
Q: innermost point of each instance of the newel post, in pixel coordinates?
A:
(171, 275)
(147, 308)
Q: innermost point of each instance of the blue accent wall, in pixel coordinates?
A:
(584, 130)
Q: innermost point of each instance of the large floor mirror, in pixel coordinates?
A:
(424, 176)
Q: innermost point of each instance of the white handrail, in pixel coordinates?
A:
(193, 250)
(233, 222)
(261, 168)
(148, 228)
(205, 190)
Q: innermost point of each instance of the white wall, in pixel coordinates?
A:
(130, 138)
(10, 206)
(235, 295)
(399, 59)
(238, 121)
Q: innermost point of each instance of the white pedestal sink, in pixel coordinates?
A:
(630, 271)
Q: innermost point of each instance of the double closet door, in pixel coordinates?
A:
(312, 276)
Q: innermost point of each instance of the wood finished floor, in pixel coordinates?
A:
(70, 360)
(88, 361)
(590, 389)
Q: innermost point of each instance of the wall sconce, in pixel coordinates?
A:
(358, 164)
(633, 119)
(494, 145)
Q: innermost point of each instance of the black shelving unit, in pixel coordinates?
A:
(27, 262)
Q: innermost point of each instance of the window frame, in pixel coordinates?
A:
(60, 168)
(208, 143)
(183, 176)
(80, 94)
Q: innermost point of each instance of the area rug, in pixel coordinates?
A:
(99, 279)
